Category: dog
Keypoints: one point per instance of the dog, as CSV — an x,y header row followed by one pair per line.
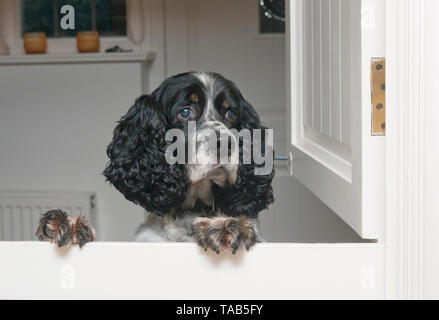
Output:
x,y
214,204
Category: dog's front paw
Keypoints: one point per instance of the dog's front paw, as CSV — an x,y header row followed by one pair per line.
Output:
x,y
81,231
54,227
221,234
57,227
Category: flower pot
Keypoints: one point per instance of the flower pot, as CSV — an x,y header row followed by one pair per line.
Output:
x,y
35,42
87,41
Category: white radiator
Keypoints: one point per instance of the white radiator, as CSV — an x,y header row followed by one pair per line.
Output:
x,y
20,211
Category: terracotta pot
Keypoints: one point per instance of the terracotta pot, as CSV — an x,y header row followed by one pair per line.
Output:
x,y
35,42
87,41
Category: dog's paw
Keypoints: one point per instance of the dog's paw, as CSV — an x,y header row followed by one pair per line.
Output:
x,y
57,227
221,234
81,231
54,227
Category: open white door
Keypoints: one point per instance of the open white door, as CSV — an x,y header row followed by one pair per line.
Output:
x,y
331,48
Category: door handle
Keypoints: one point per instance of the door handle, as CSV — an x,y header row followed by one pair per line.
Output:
x,y
288,158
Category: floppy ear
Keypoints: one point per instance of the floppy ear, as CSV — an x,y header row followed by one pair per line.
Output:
x,y
251,193
137,166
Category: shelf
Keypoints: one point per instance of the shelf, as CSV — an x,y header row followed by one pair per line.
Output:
x,y
67,58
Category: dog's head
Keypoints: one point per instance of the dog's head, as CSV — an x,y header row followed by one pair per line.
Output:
x,y
214,109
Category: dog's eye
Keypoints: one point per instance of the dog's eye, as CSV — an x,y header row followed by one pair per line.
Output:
x,y
185,113
231,115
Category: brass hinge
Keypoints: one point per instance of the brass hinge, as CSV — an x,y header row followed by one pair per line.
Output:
x,y
378,86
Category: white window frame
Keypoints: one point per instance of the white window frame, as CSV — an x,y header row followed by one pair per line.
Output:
x,y
60,44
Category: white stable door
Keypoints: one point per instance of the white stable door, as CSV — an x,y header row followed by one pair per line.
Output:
x,y
332,47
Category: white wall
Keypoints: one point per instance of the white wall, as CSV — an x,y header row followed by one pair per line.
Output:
x,y
299,216
431,155
55,124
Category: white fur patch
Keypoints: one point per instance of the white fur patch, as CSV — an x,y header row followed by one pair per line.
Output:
x,y
207,156
170,230
209,85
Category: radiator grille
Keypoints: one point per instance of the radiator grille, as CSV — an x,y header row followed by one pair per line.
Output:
x,y
20,211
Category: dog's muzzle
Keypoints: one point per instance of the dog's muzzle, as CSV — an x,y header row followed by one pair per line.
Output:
x,y
216,155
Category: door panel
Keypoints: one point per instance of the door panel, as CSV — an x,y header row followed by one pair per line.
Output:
x,y
330,47
326,59
148,271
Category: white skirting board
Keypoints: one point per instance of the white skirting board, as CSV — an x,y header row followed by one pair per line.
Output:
x,y
36,270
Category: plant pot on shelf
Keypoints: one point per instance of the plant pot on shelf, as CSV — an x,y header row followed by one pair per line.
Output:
x,y
87,41
35,42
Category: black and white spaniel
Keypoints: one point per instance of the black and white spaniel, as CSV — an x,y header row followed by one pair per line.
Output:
x,y
216,205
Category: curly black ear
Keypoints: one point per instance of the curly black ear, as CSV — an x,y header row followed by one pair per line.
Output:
x,y
251,193
137,166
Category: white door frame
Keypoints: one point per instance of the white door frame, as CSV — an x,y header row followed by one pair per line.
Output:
x,y
404,159
404,146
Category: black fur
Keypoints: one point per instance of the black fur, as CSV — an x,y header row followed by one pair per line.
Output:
x,y
251,193
137,166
